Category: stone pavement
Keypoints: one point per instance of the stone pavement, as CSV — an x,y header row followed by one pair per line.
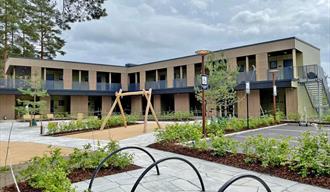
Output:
x,y
174,175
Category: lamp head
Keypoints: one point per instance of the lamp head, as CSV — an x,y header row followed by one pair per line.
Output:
x,y
202,52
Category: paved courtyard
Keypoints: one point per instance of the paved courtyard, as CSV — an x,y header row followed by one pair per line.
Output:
x,y
175,175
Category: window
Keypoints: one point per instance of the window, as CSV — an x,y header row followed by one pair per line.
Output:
x,y
241,63
272,64
60,103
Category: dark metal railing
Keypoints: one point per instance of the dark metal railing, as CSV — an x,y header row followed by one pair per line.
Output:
x,y
162,84
53,84
76,85
285,73
246,76
133,86
108,86
178,83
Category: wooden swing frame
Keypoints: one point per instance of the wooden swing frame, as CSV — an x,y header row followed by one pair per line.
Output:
x,y
119,94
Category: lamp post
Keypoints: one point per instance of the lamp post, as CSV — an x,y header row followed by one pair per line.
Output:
x,y
247,92
204,86
273,72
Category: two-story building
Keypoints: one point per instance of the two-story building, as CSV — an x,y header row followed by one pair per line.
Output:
x,y
89,88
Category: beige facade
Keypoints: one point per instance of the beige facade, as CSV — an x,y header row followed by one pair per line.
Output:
x,y
79,104
101,76
7,106
181,102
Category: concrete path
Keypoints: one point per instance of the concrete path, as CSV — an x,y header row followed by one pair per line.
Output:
x,y
175,175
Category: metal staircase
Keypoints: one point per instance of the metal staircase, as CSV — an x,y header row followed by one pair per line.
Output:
x,y
315,82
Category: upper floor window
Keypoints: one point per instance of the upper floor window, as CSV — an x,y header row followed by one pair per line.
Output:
x,y
241,64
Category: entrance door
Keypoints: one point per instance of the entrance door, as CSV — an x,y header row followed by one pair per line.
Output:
x,y
288,69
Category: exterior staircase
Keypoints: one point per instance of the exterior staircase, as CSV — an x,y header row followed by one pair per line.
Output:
x,y
315,82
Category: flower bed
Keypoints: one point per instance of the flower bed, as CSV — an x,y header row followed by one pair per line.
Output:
x,y
170,116
91,123
55,173
307,162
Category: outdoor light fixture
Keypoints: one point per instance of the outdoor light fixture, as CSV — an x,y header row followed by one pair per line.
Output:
x,y
273,72
204,84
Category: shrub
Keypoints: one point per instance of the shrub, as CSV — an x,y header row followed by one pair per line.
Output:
x,y
52,127
201,144
269,151
236,124
48,173
326,118
179,133
93,122
89,158
217,125
312,155
221,145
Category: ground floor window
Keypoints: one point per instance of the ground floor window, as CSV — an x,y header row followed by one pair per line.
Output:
x,y
266,101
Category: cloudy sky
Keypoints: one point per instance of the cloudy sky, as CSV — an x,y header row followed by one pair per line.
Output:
x,y
140,31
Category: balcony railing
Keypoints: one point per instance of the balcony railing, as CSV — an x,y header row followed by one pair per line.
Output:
x,y
133,86
108,86
76,85
13,83
178,83
50,84
310,72
156,84
285,73
246,76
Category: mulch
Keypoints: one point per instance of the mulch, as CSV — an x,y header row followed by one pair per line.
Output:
x,y
75,176
237,160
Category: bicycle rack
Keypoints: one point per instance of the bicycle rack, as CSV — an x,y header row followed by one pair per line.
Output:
x,y
113,153
238,177
165,159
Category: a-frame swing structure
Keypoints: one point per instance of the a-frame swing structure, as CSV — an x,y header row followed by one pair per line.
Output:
x,y
143,93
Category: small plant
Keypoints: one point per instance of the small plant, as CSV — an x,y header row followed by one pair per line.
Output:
x,y
52,127
48,173
88,158
312,155
221,145
294,116
179,133
201,144
217,125
326,118
269,151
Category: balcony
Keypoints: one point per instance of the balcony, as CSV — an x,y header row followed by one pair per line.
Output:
x,y
133,86
13,83
246,76
178,83
51,84
76,85
108,87
285,73
162,84
310,72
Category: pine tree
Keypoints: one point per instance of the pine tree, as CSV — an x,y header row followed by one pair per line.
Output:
x,y
49,42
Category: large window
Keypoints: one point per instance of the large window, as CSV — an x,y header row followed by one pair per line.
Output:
x,y
241,63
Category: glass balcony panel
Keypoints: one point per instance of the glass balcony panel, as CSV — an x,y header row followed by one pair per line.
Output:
x,y
177,83
133,86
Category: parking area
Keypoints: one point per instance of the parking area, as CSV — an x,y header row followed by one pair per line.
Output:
x,y
287,130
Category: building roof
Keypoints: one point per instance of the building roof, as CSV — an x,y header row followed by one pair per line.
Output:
x,y
182,57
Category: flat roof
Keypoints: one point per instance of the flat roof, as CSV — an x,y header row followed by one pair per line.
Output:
x,y
171,59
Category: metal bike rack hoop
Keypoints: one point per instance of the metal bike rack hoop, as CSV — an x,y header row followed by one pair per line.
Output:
x,y
238,177
165,159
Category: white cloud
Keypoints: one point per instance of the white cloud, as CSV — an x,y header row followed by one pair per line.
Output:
x,y
143,31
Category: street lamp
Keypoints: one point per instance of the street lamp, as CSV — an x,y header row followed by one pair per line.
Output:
x,y
273,72
204,86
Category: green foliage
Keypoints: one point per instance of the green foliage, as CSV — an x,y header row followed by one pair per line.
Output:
x,y
269,151
89,158
89,123
201,144
312,155
236,124
221,145
179,133
279,116
62,115
294,116
48,173
222,82
216,126
35,104
326,118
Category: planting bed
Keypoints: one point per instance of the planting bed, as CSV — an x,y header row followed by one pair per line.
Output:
x,y
65,133
74,176
237,160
